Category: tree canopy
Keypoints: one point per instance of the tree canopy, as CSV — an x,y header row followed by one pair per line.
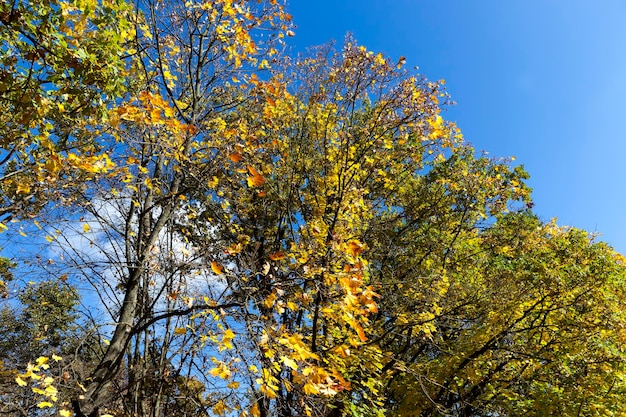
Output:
x,y
223,229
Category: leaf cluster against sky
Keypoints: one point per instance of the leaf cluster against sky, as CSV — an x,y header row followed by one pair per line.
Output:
x,y
540,80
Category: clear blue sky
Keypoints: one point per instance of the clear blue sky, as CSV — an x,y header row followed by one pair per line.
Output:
x,y
541,80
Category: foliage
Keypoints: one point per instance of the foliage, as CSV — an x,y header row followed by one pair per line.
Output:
x,y
272,236
61,63
528,323
38,330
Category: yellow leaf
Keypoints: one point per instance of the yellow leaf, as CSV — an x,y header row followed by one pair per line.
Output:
x,y
343,350
52,165
269,301
181,104
44,404
289,362
42,360
217,269
311,389
65,413
86,227
57,358
219,408
23,188
180,330
233,384
221,370
212,183
169,76
228,335
355,247
20,382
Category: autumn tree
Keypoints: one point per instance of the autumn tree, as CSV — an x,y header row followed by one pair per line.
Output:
x,y
524,320
118,235
278,236
43,324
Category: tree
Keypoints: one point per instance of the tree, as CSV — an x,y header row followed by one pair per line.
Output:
x,y
527,323
180,89
42,326
272,236
328,162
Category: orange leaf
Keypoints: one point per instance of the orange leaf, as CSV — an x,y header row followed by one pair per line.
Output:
x,y
235,157
217,269
278,256
256,180
359,330
355,248
361,333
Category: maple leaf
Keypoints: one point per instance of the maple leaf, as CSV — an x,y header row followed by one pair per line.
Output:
x,y
23,188
217,269
235,157
355,248
255,179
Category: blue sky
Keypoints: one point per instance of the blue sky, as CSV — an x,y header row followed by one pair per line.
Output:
x,y
541,80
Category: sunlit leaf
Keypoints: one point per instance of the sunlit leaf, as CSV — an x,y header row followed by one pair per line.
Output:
x,y
217,269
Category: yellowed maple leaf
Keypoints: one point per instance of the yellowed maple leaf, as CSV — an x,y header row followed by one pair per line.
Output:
x,y
355,248
23,188
220,408
255,179
217,269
